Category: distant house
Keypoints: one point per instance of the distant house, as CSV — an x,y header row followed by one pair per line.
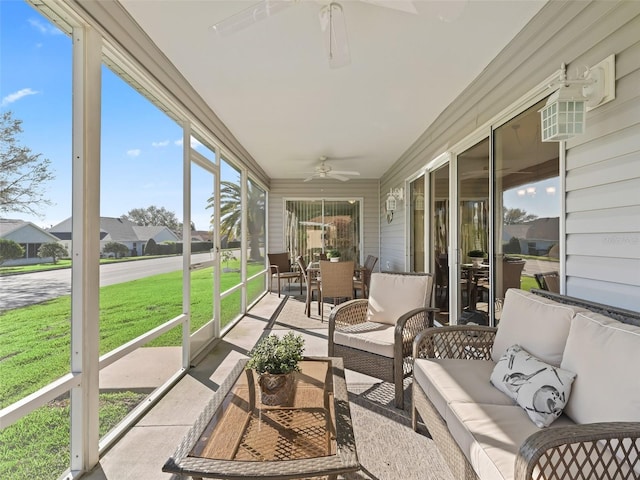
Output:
x,y
121,231
29,236
536,237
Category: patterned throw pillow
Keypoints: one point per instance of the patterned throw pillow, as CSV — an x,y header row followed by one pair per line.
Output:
x,y
542,390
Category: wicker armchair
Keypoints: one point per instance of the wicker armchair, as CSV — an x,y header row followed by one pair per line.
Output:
x,y
375,335
281,270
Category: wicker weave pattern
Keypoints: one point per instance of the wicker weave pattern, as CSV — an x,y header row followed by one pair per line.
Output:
x,y
610,450
463,342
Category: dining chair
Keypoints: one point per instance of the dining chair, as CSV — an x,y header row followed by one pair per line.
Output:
x,y
313,285
280,266
336,282
361,282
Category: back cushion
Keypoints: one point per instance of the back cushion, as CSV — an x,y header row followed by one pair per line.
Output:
x,y
392,295
605,354
539,325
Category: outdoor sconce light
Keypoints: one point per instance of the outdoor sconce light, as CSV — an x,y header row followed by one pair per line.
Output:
x,y
391,204
419,204
564,114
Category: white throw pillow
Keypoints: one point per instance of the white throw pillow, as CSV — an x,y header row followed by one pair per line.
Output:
x,y
392,295
542,390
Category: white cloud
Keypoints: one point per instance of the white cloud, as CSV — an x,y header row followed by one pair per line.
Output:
x,y
14,97
44,28
134,152
164,143
194,143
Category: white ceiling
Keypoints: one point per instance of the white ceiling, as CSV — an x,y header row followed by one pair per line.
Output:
x,y
271,84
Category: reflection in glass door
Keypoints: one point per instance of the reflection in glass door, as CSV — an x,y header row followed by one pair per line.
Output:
x,y
473,233
527,205
417,229
439,208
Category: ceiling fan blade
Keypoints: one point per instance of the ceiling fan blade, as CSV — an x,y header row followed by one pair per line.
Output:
x,y
334,35
249,16
344,172
308,179
406,6
338,177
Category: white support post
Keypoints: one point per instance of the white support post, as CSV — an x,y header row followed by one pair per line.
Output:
x,y
244,222
186,243
85,273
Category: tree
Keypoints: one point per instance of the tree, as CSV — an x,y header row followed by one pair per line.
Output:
x,y
118,249
54,250
151,248
22,173
231,214
9,250
153,216
514,216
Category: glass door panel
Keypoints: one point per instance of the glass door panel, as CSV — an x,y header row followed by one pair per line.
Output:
x,y
417,230
439,206
473,233
527,204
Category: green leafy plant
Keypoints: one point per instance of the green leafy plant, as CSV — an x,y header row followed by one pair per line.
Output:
x,y
333,254
277,355
476,254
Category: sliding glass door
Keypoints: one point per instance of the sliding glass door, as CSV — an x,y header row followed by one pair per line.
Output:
x,y
316,226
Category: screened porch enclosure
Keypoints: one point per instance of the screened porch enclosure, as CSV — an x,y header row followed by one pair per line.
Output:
x,y
313,227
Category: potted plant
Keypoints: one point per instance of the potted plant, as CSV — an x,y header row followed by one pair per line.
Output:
x,y
476,256
333,255
275,360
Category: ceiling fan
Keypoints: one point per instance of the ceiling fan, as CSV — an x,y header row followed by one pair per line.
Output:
x,y
332,23
326,171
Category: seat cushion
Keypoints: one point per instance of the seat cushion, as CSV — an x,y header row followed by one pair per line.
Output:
x,y
491,435
451,380
539,325
392,295
605,355
368,336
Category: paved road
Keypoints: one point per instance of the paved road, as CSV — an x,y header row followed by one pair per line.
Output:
x,y
29,288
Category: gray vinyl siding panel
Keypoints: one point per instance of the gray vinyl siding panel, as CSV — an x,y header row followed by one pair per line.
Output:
x,y
367,190
602,187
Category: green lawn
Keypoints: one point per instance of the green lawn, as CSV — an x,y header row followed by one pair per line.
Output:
x,y
35,350
66,263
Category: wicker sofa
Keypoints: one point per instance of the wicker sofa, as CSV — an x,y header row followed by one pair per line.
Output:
x,y
484,434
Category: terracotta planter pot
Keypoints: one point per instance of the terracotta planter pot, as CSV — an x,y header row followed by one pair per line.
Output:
x,y
276,389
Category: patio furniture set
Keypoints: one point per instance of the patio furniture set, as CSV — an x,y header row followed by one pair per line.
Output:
x,y
486,395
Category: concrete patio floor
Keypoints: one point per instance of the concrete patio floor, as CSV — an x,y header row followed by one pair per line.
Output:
x,y
143,449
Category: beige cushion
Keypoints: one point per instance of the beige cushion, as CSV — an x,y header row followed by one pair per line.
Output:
x,y
539,325
447,380
605,354
392,295
369,336
490,436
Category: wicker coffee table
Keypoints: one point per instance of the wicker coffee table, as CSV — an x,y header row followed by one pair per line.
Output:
x,y
238,437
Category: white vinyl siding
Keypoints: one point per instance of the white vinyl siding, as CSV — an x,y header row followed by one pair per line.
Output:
x,y
602,210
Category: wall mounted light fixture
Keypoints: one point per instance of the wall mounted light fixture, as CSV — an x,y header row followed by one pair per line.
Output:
x,y
564,114
391,203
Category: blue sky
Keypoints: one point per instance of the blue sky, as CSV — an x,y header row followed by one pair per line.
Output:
x,y
141,147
